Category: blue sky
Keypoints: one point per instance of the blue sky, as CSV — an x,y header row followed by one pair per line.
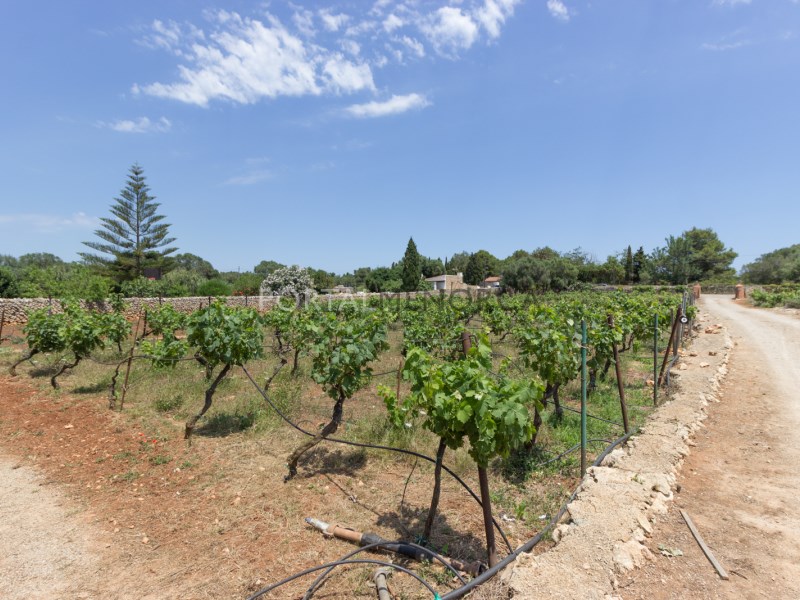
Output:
x,y
325,134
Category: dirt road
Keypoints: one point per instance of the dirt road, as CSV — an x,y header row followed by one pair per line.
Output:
x,y
740,483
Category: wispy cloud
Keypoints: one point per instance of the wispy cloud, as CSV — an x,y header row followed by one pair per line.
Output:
x,y
47,223
393,106
251,178
318,52
140,125
731,41
729,2
558,10
724,46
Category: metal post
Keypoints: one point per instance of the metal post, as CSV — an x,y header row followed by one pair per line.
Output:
x,y
2,322
584,340
655,360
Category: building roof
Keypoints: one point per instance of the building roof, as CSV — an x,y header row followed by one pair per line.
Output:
x,y
493,279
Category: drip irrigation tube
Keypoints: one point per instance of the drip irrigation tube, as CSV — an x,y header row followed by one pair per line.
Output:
x,y
378,447
382,545
529,545
358,561
569,408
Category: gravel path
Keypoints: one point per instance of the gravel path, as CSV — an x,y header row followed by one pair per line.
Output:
x,y
44,544
740,483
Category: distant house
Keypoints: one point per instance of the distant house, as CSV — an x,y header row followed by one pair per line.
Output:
x,y
448,282
339,289
491,282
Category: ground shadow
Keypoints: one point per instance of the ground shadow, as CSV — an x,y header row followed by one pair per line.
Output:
x,y
225,423
409,523
95,388
43,370
521,463
333,461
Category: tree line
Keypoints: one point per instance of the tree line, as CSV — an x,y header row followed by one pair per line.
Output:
x,y
134,255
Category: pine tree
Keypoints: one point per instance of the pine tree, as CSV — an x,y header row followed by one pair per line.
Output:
x,y
412,267
628,265
639,260
135,236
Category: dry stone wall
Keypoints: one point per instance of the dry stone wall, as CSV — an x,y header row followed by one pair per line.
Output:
x,y
16,310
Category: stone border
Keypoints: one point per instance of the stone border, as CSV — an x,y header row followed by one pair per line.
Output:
x,y
16,309
603,531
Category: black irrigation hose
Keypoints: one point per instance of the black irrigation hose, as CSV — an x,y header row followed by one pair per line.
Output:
x,y
337,563
528,546
576,411
312,588
378,447
565,453
136,357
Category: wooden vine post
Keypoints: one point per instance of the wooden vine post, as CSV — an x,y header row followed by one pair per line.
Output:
x,y
672,340
620,384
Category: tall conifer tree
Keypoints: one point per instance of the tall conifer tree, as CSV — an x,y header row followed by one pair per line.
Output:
x,y
412,267
135,237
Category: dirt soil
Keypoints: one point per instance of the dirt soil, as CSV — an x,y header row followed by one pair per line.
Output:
x,y
740,482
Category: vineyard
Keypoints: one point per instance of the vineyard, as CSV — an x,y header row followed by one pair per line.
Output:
x,y
453,429
776,295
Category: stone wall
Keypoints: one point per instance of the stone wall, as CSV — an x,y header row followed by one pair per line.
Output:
x,y
15,310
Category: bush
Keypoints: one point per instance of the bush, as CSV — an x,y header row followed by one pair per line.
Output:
x,y
214,287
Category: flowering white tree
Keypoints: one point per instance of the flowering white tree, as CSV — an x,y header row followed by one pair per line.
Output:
x,y
294,282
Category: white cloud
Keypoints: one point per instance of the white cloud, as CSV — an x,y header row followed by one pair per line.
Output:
x,y
730,41
414,45
304,21
333,22
729,2
558,10
393,106
140,125
723,46
343,76
45,223
170,36
251,178
494,13
244,60
247,60
392,22
351,46
450,30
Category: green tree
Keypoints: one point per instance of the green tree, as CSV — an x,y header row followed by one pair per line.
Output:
x,y
192,262
40,260
541,274
384,279
431,267
696,255
628,265
480,265
412,268
778,266
267,267
135,237
214,287
639,265
9,287
458,263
